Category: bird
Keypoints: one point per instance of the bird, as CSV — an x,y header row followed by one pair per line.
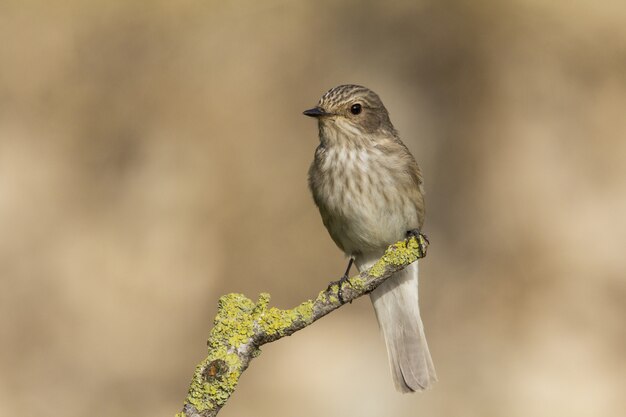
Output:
x,y
369,190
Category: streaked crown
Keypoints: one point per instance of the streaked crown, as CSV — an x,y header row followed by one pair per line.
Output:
x,y
352,108
338,97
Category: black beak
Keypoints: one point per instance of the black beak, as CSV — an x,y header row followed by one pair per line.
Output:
x,y
315,112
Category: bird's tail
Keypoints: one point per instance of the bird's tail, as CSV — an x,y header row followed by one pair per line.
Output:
x,y
396,305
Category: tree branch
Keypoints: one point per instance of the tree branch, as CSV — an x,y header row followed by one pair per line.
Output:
x,y
242,326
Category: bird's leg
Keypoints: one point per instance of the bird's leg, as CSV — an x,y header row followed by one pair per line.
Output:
x,y
347,273
345,278
416,234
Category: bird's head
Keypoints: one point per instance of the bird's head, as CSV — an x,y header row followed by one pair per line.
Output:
x,y
353,111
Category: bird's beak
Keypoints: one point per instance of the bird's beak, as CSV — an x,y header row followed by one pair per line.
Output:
x,y
315,112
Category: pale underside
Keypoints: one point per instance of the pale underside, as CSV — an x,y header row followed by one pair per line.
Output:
x,y
368,196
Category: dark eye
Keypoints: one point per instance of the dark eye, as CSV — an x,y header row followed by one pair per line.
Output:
x,y
355,109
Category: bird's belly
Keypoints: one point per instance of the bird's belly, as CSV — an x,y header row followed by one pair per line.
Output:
x,y
367,199
365,220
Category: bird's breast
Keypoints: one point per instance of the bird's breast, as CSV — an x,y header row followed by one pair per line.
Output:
x,y
363,196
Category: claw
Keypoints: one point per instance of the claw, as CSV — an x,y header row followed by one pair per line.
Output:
x,y
417,234
342,280
340,283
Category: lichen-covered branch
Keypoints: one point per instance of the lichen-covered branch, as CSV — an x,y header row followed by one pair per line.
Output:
x,y
242,326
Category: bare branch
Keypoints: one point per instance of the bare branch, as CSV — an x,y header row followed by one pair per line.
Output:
x,y
242,326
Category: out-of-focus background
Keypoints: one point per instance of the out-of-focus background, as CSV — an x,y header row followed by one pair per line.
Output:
x,y
153,156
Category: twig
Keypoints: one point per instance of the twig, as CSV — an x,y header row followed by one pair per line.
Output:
x,y
242,326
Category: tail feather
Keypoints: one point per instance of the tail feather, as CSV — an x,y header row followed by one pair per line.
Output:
x,y
396,304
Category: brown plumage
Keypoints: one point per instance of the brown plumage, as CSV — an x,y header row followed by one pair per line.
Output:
x,y
369,191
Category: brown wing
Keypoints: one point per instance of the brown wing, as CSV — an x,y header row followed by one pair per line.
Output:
x,y
413,184
418,198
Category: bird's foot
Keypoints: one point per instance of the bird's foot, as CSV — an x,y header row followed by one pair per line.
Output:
x,y
339,284
421,238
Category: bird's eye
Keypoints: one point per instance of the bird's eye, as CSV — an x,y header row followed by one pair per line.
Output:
x,y
355,109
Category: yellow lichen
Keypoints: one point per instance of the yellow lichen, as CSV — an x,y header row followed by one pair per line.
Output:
x,y
238,318
233,326
400,253
357,283
276,321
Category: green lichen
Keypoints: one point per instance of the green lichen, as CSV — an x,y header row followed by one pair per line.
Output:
x,y
264,300
305,311
276,321
233,326
357,283
216,377
238,318
233,322
332,298
329,295
209,391
398,254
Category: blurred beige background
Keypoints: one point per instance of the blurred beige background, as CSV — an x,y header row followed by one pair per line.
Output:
x,y
153,156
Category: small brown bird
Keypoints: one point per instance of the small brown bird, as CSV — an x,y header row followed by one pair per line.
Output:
x,y
370,194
